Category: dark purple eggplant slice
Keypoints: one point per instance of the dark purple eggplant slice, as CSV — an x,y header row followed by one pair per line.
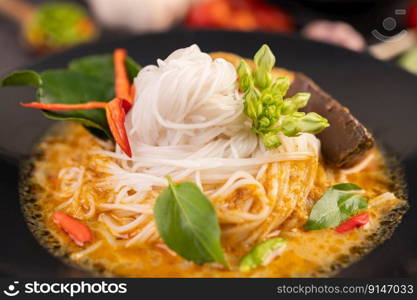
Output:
x,y
346,142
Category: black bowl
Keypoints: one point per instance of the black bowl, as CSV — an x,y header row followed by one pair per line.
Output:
x,y
381,95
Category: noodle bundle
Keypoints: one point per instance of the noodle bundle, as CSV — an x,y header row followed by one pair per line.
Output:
x,y
188,122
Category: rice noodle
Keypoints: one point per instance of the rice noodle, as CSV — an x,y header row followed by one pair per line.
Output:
x,y
71,180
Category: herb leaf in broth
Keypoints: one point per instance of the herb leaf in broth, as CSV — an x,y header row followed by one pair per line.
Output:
x,y
347,187
187,222
262,254
339,203
89,78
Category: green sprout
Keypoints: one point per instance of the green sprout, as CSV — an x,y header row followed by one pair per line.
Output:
x,y
262,254
265,102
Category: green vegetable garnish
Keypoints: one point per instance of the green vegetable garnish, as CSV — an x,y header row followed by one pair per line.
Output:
x,y
59,25
262,254
409,60
266,105
187,222
90,78
102,66
337,205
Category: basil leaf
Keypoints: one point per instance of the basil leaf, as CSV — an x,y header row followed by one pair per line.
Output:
x,y
132,68
187,222
347,187
350,204
71,87
336,206
24,77
262,254
93,127
102,66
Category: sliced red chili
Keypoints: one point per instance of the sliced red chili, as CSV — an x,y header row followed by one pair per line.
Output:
x,y
133,92
77,231
59,106
121,78
116,114
352,223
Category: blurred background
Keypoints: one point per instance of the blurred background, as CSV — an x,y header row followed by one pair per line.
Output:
x,y
30,29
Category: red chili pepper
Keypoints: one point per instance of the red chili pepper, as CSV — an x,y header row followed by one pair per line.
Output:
x,y
116,114
133,92
352,223
117,108
121,78
59,106
77,231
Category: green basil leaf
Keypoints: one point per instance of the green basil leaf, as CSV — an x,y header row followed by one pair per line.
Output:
x,y
350,204
347,187
24,77
132,68
337,205
261,254
72,87
102,66
96,129
187,222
